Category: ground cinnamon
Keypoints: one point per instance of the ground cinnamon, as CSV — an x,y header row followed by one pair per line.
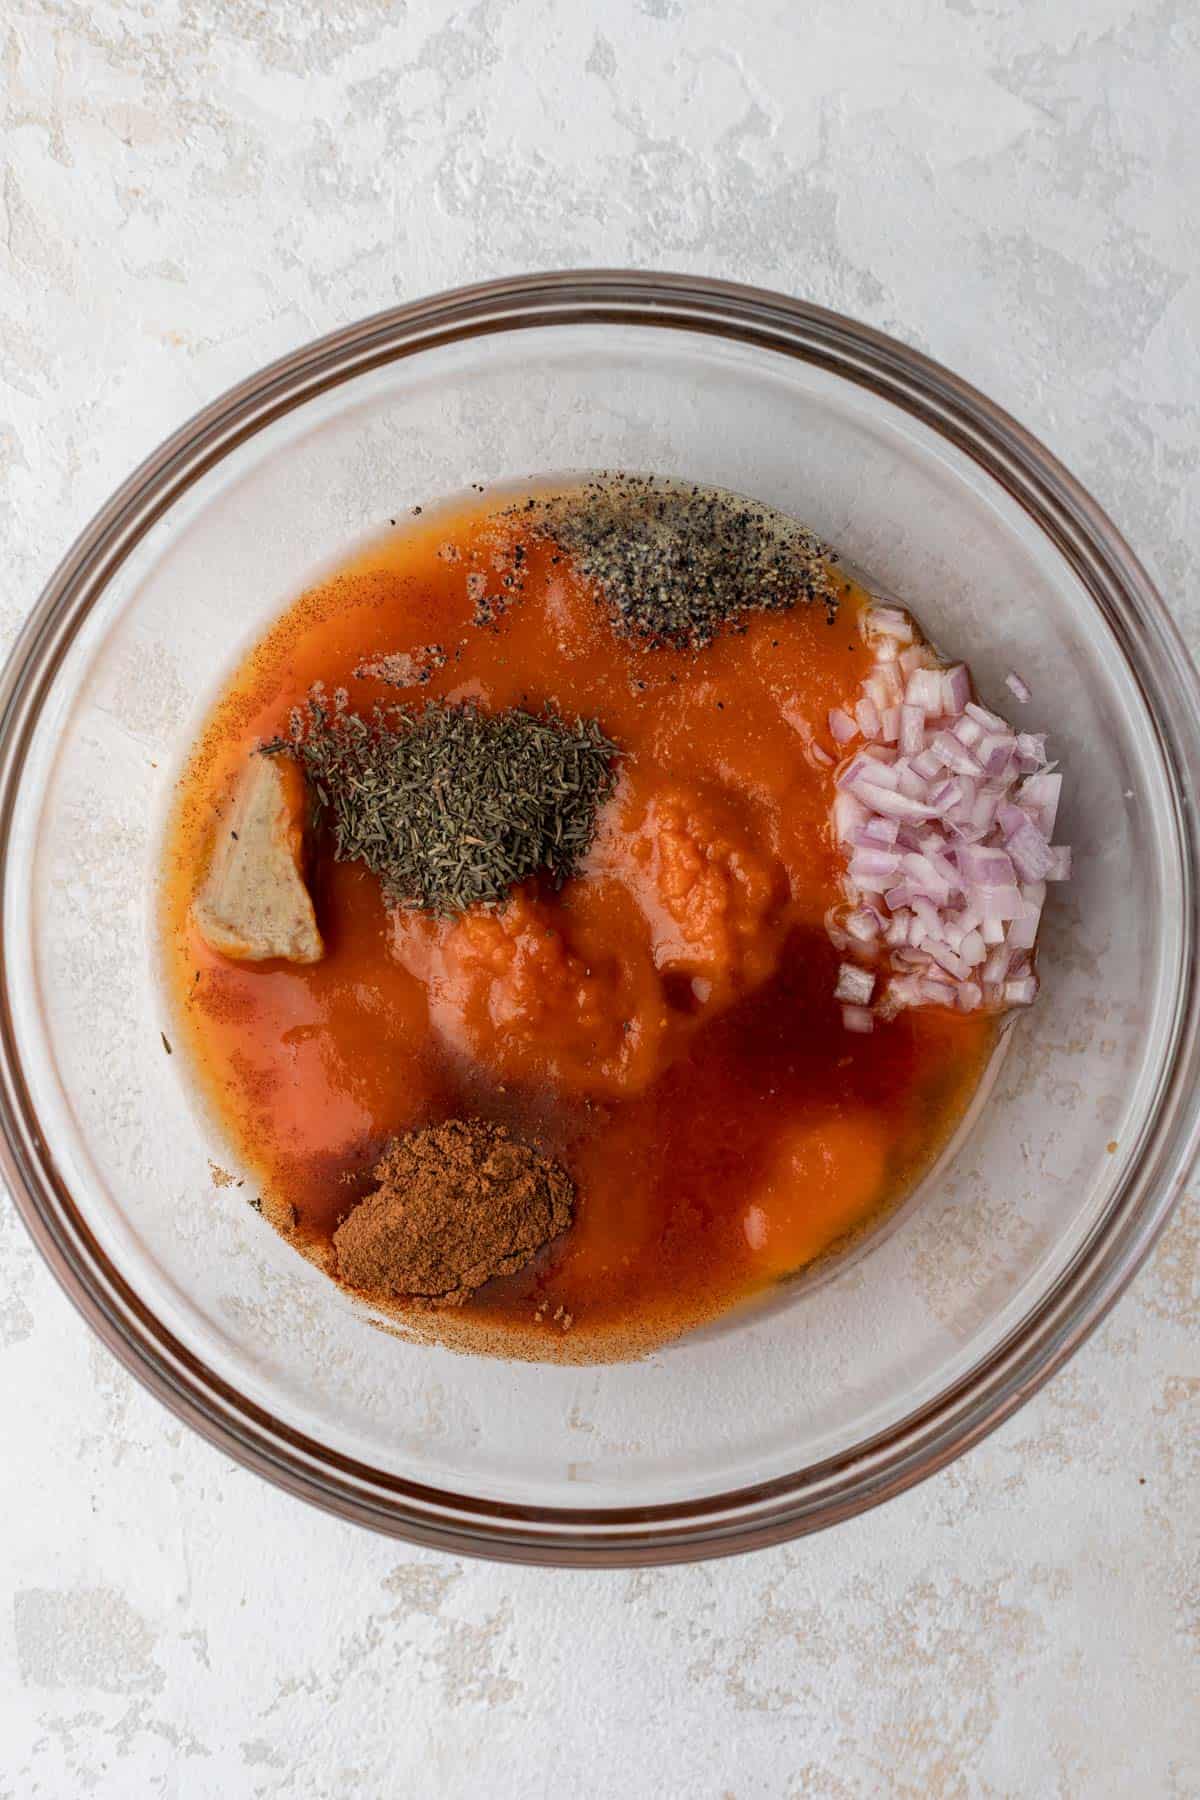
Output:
x,y
456,1204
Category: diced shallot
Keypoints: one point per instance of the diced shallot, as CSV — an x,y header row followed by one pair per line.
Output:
x,y
874,862
849,815
1022,933
989,720
996,966
955,755
862,925
893,805
877,834
1041,794
912,730
863,768
943,955
884,686
956,687
924,690
945,817
1029,851
995,751
867,714
928,765
854,984
890,621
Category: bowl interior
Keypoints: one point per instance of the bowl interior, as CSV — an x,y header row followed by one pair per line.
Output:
x,y
780,1391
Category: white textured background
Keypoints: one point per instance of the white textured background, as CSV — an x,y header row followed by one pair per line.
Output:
x,y
190,187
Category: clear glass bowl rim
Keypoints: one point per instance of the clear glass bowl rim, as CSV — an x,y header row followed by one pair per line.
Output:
x,y
813,1497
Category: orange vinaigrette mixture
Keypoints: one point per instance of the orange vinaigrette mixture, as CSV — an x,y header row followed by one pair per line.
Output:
x,y
664,1025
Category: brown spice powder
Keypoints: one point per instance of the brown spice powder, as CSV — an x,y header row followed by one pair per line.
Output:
x,y
457,1204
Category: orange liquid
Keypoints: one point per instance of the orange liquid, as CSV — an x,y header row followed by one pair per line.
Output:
x,y
665,1025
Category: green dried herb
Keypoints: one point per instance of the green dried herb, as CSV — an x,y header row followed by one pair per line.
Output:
x,y
449,806
677,563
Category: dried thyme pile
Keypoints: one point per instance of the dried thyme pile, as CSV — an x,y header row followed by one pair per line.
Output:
x,y
449,806
677,564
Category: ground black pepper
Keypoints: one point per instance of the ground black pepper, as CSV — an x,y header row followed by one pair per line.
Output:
x,y
677,564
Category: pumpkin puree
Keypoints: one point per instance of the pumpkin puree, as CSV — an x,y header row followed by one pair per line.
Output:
x,y
664,1025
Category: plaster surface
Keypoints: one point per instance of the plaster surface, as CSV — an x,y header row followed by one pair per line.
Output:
x,y
190,188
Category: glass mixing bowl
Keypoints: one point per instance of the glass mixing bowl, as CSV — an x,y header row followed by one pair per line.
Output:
x,y
795,1416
